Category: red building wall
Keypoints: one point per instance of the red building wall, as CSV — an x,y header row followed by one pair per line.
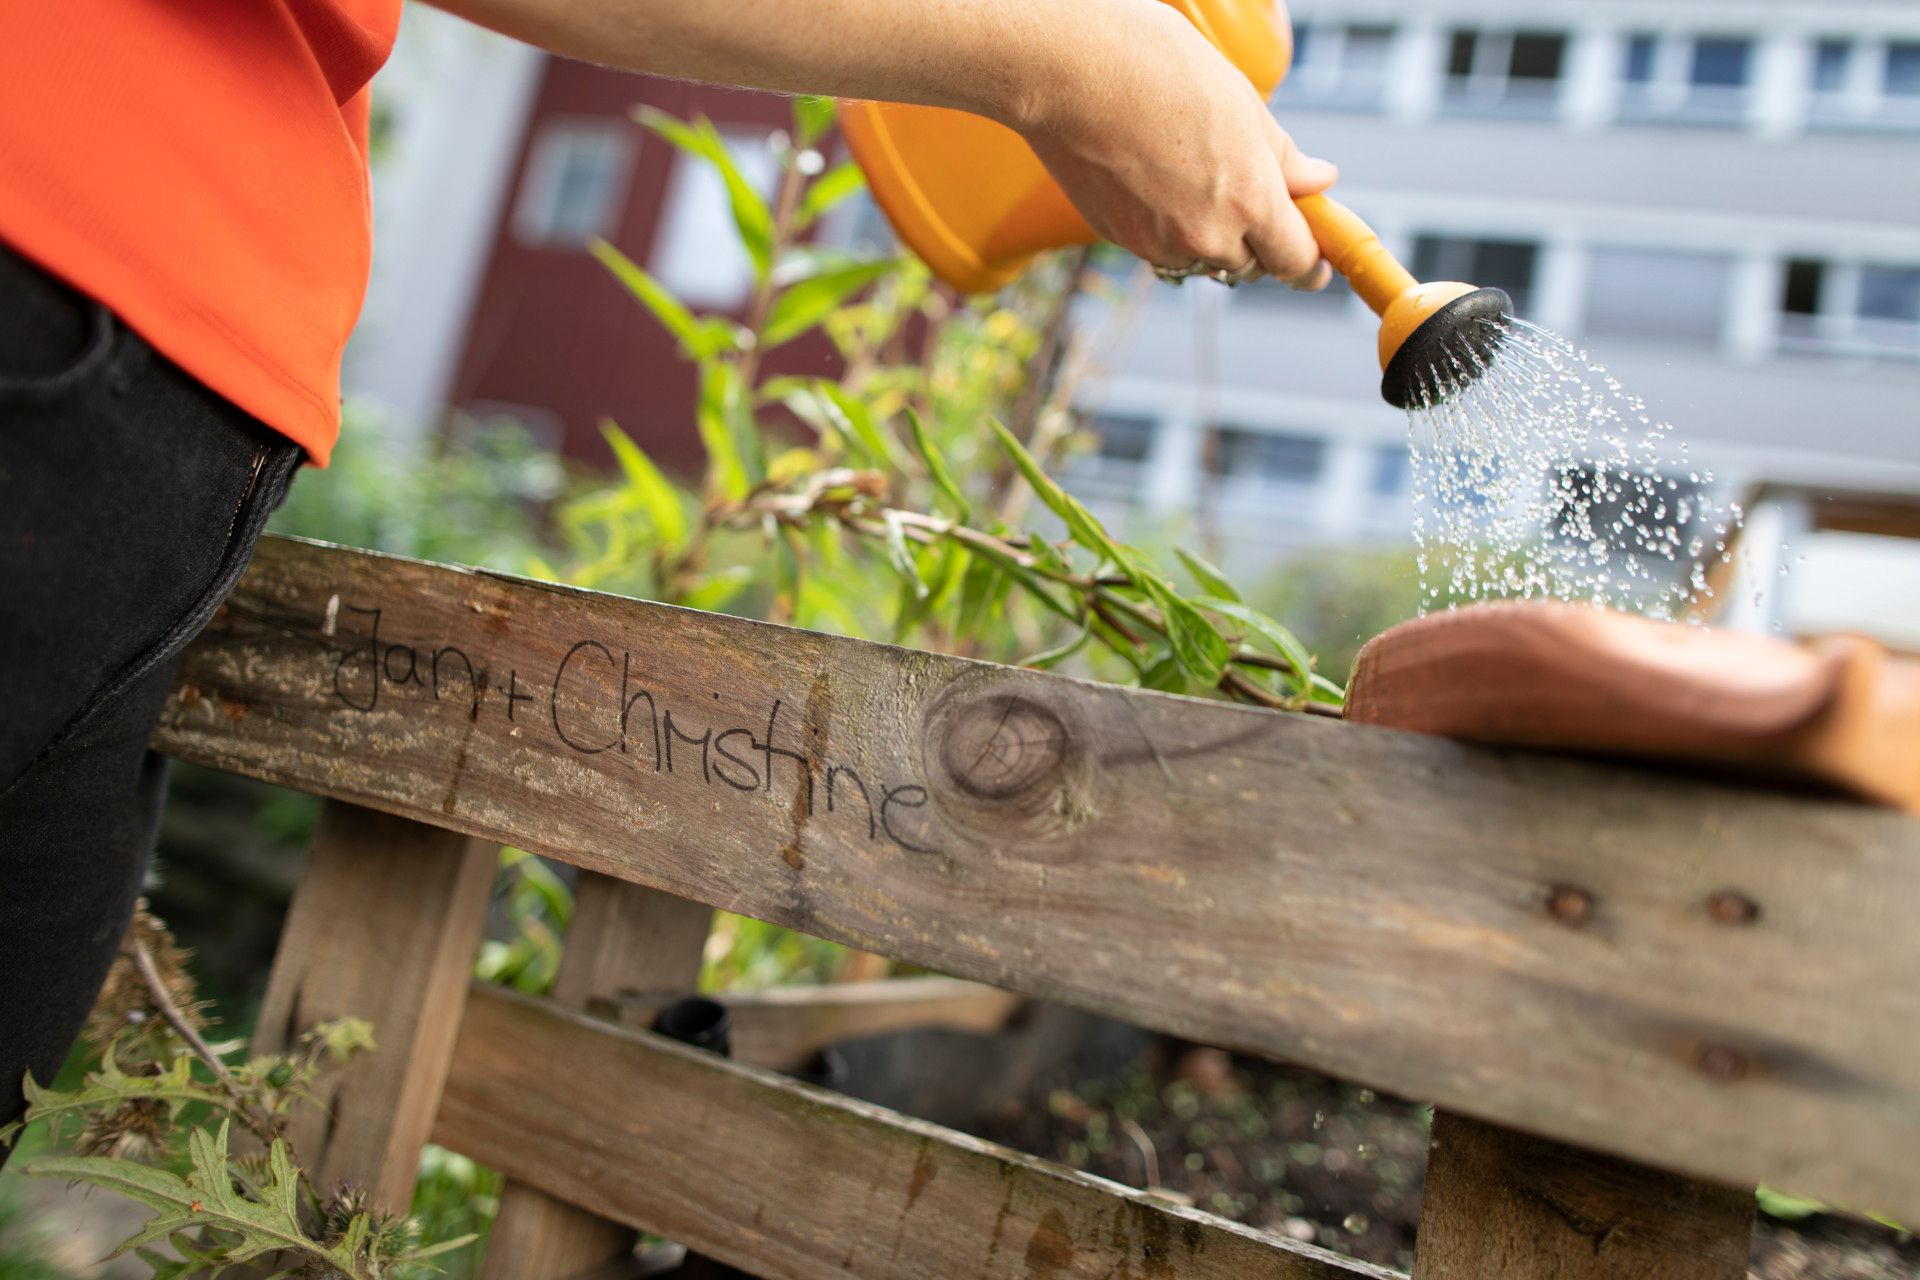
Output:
x,y
552,331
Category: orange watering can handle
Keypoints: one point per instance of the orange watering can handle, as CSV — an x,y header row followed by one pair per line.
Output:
x,y
1355,251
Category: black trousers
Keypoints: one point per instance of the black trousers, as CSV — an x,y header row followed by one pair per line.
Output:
x,y
130,501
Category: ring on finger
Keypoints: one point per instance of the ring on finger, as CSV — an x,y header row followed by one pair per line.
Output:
x,y
1243,275
1174,275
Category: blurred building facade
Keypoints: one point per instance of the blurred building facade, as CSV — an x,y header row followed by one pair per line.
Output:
x,y
1720,199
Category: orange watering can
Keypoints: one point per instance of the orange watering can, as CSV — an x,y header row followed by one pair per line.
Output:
x,y
973,200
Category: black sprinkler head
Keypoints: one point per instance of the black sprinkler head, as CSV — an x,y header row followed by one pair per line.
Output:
x,y
1461,335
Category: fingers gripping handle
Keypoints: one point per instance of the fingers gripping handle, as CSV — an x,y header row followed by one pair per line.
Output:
x,y
1355,252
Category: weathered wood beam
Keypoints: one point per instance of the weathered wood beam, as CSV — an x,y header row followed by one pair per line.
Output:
x,y
1715,980
1500,1205
783,1179
621,935
384,926
781,1029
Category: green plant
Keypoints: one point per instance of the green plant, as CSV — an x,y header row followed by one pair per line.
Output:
x,y
899,510
153,1117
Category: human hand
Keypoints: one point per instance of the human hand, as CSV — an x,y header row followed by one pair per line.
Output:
x,y
1167,150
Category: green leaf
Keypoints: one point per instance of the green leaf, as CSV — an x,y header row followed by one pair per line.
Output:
x,y
1086,530
1048,658
718,589
1321,689
657,495
654,296
853,418
206,1198
1786,1207
812,116
1164,675
1284,642
937,467
982,589
1196,643
901,555
828,190
109,1087
732,444
751,217
804,304
1211,580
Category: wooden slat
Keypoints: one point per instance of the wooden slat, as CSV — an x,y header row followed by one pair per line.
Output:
x,y
782,1179
1716,980
621,936
781,1029
384,926
1500,1205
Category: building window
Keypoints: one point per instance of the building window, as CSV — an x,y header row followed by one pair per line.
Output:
x,y
1864,82
1856,309
1124,437
1721,63
1691,289
1117,465
1890,294
1832,65
696,252
1504,71
574,185
1689,79
1903,70
1493,264
1640,55
1267,459
1392,463
1344,66
1802,293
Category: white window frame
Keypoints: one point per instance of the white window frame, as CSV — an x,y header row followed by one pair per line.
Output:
x,y
1863,101
1670,96
1838,328
1489,86
533,210
1325,80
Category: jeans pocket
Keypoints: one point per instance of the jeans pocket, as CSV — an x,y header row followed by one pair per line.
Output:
x,y
53,338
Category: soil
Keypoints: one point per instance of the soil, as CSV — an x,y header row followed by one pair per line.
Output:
x,y
1319,1161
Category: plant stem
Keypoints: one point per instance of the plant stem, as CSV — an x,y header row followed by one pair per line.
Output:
x,y
244,1107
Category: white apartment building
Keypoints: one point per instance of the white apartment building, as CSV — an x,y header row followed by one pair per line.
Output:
x,y
1720,199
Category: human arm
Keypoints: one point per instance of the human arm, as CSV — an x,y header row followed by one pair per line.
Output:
x,y
1156,137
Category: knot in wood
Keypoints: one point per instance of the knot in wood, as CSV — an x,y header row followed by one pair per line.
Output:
x,y
1004,746
1719,1061
1730,907
1570,904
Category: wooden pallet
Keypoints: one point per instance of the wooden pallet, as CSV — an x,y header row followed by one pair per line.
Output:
x,y
1538,945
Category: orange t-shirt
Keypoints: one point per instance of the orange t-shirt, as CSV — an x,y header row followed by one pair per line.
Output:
x,y
200,166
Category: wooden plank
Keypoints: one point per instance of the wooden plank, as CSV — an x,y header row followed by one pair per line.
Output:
x,y
1714,980
781,1029
783,1179
1500,1205
621,936
384,926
